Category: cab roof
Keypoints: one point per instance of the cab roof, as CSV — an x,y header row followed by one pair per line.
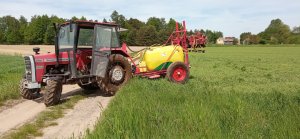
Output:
x,y
90,24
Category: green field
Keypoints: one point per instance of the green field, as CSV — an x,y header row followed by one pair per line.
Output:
x,y
233,92
11,70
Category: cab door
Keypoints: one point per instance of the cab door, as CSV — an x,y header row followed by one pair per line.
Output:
x,y
101,50
67,43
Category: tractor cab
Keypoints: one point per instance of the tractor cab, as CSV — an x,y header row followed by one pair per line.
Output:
x,y
88,46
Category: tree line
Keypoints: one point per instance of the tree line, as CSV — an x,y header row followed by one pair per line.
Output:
x,y
40,29
276,33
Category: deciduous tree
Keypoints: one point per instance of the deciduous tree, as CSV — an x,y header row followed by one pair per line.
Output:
x,y
36,30
276,32
147,35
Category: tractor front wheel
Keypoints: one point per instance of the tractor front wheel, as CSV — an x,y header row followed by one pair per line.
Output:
x,y
118,73
28,93
178,72
53,92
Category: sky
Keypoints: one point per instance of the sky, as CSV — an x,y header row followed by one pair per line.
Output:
x,y
232,17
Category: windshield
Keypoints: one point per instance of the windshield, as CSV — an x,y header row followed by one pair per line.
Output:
x,y
106,37
114,40
66,38
103,37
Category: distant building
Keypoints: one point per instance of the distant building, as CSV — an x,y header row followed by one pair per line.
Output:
x,y
229,40
220,41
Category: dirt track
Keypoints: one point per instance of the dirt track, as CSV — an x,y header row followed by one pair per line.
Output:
x,y
27,110
76,121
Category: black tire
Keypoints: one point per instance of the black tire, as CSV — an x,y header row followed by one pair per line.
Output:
x,y
53,91
182,70
28,93
91,86
106,85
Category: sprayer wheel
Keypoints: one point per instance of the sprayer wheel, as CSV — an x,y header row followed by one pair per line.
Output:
x,y
178,72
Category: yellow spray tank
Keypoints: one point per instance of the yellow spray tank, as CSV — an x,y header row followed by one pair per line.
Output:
x,y
155,58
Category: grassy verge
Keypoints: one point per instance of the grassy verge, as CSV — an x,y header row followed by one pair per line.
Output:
x,y
249,92
44,119
11,70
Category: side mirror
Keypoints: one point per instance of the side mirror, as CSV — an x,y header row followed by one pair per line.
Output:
x,y
36,50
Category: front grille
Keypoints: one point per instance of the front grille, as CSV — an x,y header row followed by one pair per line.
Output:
x,y
28,71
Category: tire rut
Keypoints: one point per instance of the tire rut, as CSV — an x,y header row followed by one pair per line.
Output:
x,y
26,111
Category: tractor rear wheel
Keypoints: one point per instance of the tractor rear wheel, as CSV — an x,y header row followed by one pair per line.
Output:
x,y
53,92
118,73
178,72
28,93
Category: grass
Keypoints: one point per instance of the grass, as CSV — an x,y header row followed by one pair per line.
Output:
x,y
11,70
233,92
44,119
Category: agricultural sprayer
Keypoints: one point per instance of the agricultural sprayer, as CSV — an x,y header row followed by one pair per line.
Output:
x,y
89,54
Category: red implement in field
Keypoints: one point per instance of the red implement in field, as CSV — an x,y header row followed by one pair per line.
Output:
x,y
197,42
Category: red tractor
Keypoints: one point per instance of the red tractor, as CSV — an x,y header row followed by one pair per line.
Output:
x,y
197,42
89,54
